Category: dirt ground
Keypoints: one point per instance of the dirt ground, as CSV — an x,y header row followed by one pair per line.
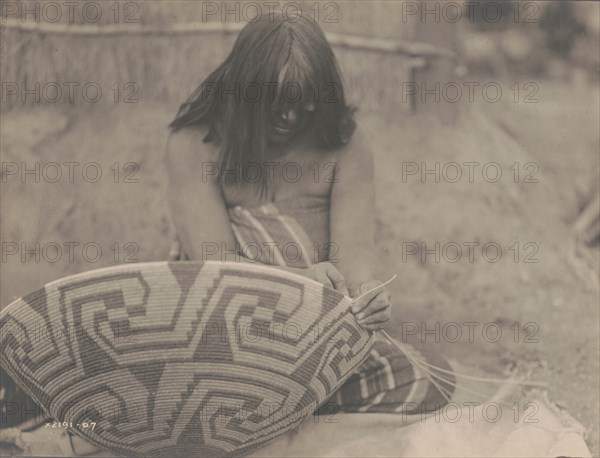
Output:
x,y
554,301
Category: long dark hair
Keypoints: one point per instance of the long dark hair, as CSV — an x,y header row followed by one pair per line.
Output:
x,y
284,59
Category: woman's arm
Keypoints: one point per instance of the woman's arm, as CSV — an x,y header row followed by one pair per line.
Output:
x,y
352,215
195,201
199,213
352,227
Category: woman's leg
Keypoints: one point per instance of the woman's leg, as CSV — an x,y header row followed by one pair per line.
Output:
x,y
389,382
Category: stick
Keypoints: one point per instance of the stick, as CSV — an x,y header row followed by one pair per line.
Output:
x,y
192,28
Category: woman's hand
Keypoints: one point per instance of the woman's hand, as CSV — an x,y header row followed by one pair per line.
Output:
x,y
326,273
373,310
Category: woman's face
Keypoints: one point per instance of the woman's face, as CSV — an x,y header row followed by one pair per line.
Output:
x,y
289,121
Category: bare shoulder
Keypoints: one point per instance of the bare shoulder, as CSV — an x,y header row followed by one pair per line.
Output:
x,y
186,150
356,155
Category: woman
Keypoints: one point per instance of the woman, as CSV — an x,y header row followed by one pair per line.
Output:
x,y
265,161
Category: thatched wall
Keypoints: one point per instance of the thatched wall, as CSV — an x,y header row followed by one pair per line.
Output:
x,y
166,67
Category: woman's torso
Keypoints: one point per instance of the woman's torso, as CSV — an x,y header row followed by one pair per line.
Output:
x,y
288,222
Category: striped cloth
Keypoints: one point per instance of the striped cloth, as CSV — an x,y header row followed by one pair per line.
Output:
x,y
298,236
292,233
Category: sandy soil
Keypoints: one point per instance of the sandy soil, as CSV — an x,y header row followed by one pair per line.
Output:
x,y
553,301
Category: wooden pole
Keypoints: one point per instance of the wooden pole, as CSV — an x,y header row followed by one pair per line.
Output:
x,y
191,28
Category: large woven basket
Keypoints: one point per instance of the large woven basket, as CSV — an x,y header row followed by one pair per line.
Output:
x,y
181,359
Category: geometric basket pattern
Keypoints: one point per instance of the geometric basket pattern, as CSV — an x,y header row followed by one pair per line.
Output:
x,y
183,358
